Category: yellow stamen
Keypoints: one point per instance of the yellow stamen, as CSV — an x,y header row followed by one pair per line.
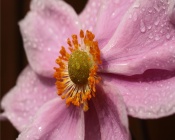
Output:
x,y
77,72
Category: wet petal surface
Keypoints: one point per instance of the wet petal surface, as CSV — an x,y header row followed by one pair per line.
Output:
x,y
56,121
45,29
149,95
145,39
29,94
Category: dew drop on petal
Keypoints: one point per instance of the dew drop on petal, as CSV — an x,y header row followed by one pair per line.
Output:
x,y
135,16
142,26
157,37
150,10
168,36
149,27
40,128
150,36
156,21
136,5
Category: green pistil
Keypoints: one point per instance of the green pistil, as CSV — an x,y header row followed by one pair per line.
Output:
x,y
79,67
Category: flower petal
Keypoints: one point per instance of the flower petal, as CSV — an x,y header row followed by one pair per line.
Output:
x,y
150,95
111,13
45,29
89,15
56,121
29,94
111,113
173,16
92,126
145,39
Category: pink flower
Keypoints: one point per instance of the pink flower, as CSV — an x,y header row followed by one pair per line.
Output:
x,y
137,44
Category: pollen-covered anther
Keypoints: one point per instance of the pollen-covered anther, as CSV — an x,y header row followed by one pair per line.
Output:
x,y
77,72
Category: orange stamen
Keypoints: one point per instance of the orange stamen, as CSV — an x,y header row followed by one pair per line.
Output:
x,y
73,93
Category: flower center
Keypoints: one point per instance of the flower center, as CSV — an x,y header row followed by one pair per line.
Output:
x,y
77,72
79,67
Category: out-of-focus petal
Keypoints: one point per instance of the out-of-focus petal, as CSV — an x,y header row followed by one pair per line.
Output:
x,y
145,39
92,126
111,113
173,16
56,121
150,95
45,29
29,94
3,117
111,14
89,15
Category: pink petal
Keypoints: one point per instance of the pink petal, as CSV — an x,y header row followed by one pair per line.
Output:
x,y
111,113
45,29
173,16
150,95
56,121
29,94
111,14
89,15
145,39
92,126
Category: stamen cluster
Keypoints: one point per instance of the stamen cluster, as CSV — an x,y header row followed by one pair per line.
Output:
x,y
77,72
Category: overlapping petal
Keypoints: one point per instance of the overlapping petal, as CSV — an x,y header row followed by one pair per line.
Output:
x,y
173,16
111,113
149,95
92,125
56,121
45,29
29,94
145,39
89,15
111,14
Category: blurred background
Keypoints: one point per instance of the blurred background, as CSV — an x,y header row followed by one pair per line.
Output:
x,y
13,60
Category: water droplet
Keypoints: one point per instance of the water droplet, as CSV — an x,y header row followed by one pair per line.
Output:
x,y
40,128
156,21
150,36
135,16
161,31
168,36
149,27
150,10
136,5
157,37
113,15
143,9
156,8
146,88
164,7
142,26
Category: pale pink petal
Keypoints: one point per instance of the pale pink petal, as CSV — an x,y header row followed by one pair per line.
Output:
x,y
56,121
29,94
111,14
150,95
89,15
92,126
145,39
111,113
173,16
45,29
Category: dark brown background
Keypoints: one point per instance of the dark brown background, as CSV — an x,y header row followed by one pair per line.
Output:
x,y
13,60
